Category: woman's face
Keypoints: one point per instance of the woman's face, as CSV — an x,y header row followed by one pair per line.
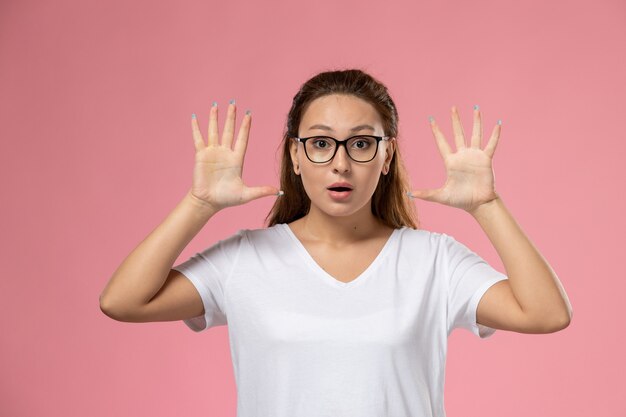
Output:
x,y
336,115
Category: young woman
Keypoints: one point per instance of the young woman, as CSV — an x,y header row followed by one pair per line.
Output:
x,y
341,306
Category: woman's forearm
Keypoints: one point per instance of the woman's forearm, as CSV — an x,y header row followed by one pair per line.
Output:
x,y
537,288
144,271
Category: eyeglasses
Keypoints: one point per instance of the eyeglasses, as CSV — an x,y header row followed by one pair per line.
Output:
x,y
321,149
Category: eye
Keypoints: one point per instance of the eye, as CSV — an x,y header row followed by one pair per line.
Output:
x,y
321,143
362,142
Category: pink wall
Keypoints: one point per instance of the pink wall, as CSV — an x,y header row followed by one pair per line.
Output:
x,y
95,101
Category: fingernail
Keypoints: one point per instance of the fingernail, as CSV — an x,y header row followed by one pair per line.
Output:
x,y
214,103
232,101
281,192
475,106
193,115
430,119
248,112
499,121
409,194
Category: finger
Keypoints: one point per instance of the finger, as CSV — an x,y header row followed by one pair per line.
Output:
x,y
441,141
477,132
195,132
229,126
244,131
252,193
459,137
213,133
490,149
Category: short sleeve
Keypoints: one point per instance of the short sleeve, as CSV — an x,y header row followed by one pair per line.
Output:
x,y
469,277
209,272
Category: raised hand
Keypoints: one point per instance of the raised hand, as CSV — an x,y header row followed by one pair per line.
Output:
x,y
218,166
470,179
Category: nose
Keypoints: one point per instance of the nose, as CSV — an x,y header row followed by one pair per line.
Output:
x,y
341,161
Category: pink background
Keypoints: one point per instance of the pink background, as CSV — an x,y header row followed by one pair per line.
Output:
x,y
95,106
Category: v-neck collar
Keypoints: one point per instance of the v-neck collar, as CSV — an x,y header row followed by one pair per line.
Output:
x,y
306,256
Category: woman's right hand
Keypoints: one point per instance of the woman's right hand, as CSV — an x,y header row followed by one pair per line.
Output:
x,y
217,172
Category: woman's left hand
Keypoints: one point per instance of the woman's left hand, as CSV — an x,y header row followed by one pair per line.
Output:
x,y
471,181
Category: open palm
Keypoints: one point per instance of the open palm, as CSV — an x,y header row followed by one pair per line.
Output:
x,y
470,179
218,166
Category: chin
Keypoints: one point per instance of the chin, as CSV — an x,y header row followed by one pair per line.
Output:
x,y
342,210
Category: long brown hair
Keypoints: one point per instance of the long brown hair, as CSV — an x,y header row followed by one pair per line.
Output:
x,y
390,202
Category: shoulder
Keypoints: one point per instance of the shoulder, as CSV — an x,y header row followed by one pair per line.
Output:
x,y
234,241
263,237
263,232
243,241
418,245
407,235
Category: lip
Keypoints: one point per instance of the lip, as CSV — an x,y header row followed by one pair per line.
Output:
x,y
340,184
340,195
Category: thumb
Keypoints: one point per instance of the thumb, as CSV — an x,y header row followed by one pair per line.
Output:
x,y
252,193
429,195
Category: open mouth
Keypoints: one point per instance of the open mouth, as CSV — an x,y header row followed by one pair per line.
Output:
x,y
340,192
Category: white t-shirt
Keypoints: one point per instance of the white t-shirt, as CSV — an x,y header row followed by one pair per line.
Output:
x,y
304,344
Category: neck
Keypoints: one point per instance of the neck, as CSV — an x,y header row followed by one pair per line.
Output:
x,y
320,226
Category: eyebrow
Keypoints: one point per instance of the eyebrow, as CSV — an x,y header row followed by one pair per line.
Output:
x,y
354,129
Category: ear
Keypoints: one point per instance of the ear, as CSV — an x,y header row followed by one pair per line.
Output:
x,y
293,152
389,151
